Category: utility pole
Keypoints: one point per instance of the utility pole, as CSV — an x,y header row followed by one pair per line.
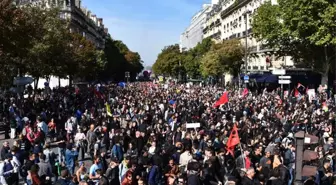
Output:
x,y
246,37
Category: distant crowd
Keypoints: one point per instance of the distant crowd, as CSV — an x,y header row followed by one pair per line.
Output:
x,y
153,134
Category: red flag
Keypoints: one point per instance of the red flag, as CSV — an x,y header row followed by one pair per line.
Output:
x,y
300,85
296,93
245,92
233,140
77,91
222,100
98,94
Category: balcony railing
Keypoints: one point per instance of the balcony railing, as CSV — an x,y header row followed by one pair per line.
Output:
x,y
235,5
264,47
253,49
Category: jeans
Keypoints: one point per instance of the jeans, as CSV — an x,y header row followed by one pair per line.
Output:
x,y
291,170
29,182
61,154
12,134
71,169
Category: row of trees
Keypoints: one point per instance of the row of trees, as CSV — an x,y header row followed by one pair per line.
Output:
x,y
305,30
36,41
206,59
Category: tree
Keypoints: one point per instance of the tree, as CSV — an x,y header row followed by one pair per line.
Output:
x,y
120,59
17,32
211,64
232,53
84,57
50,51
193,57
169,61
223,57
302,29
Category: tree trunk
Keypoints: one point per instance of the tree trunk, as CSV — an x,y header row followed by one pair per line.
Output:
x,y
70,80
36,82
326,66
324,79
59,82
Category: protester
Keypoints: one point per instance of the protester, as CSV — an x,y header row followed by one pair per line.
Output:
x,y
147,133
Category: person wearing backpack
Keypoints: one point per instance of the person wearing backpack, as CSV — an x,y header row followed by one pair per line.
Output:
x,y
10,170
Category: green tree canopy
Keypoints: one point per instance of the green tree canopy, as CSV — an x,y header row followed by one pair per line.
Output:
x,y
120,59
35,41
302,29
211,64
192,58
169,61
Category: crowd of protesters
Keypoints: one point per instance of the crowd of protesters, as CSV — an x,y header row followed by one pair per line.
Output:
x,y
154,134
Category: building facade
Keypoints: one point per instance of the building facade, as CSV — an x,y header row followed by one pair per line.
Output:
x,y
82,20
232,19
194,33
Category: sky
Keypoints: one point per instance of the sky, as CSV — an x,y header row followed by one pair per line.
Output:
x,y
145,26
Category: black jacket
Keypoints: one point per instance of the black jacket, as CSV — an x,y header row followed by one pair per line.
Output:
x,y
193,180
247,181
113,175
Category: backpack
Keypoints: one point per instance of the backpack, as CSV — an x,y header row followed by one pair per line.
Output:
x,y
23,171
6,168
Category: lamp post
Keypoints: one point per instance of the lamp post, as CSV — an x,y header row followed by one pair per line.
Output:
x,y
247,12
299,136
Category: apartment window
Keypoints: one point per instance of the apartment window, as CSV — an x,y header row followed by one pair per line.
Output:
x,y
238,34
262,67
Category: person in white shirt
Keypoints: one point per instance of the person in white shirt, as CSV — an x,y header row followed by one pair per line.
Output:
x,y
41,124
185,157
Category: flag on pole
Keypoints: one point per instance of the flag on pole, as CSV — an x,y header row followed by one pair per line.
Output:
x,y
296,93
300,85
245,92
325,107
233,140
108,110
222,100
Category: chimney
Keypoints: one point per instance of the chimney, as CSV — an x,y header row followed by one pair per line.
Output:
x,y
94,18
99,22
78,3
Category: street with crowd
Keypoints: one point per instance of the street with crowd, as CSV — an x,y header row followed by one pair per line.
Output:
x,y
156,134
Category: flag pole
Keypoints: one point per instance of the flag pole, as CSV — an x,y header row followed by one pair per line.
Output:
x,y
241,149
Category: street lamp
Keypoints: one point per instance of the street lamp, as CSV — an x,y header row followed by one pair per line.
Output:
x,y
247,12
299,136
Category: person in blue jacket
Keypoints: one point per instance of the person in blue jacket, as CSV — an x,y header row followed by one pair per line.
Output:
x,y
70,157
116,151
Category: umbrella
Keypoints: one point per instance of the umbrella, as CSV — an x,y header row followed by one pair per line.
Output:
x,y
23,80
308,171
171,102
309,155
122,84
